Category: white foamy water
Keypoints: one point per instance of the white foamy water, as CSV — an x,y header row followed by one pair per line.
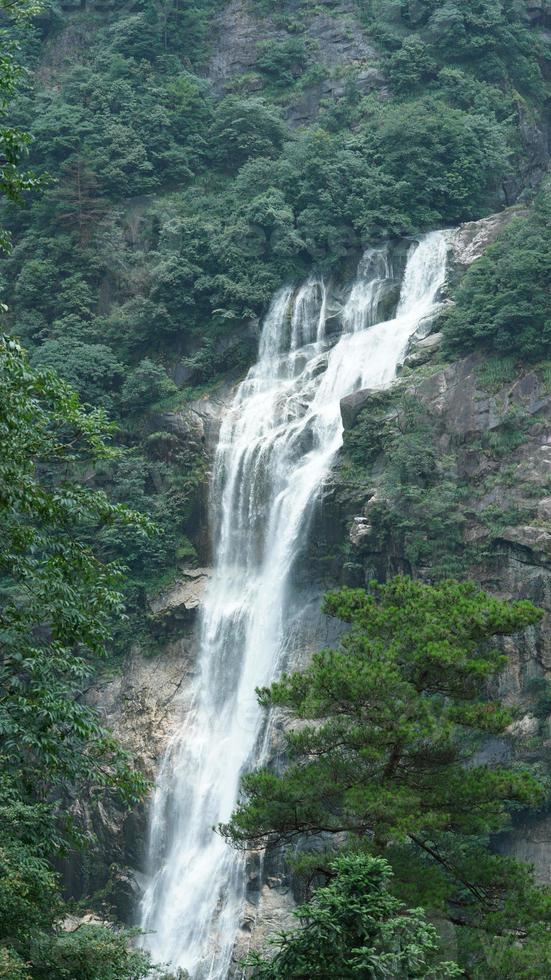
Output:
x,y
277,444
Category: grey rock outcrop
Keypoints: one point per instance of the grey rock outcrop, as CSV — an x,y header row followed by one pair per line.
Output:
x,y
179,604
353,404
142,704
531,844
268,911
422,351
471,240
209,412
457,396
198,424
341,48
360,531
236,36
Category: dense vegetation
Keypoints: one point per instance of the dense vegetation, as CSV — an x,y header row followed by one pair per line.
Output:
x,y
387,761
59,603
60,598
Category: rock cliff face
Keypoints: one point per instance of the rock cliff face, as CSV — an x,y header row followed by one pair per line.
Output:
x,y
143,706
339,47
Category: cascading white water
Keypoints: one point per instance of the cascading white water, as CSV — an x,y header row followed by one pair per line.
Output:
x,y
276,447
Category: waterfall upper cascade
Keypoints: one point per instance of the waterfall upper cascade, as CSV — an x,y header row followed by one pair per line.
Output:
x,y
276,446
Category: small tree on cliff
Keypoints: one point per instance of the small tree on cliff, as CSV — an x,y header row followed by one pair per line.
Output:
x,y
355,928
389,761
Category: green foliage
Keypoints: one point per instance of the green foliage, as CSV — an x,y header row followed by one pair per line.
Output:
x,y
411,65
490,37
58,599
503,303
91,369
174,215
441,162
283,61
213,359
354,927
33,945
115,129
263,203
495,372
29,898
385,756
422,494
514,960
89,953
366,438
14,142
244,128
146,385
160,482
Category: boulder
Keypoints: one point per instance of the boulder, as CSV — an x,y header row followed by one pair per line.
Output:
x,y
432,342
422,350
525,727
352,405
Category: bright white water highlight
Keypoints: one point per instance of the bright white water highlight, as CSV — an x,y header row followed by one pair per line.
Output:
x,y
276,447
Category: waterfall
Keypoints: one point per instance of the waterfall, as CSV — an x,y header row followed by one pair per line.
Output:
x,y
276,447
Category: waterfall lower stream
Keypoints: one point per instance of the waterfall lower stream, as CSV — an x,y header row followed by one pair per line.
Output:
x,y
277,444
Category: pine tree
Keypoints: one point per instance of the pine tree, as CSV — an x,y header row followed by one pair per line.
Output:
x,y
386,755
